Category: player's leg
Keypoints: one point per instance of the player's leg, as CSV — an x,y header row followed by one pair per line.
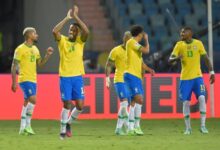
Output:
x,y
66,96
185,92
28,91
30,107
136,92
137,113
122,112
78,96
199,89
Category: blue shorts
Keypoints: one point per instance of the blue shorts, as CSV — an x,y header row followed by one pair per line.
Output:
x,y
188,86
122,91
28,88
134,85
72,88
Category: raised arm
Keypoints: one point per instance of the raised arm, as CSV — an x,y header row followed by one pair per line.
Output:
x,y
145,49
41,62
210,67
59,26
14,66
108,70
84,28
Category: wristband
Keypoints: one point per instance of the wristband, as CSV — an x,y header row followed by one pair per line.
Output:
x,y
212,72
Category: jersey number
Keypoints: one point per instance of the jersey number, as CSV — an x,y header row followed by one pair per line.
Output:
x,y
202,87
189,53
32,58
71,49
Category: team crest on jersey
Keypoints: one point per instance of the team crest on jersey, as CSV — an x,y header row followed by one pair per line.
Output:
x,y
194,47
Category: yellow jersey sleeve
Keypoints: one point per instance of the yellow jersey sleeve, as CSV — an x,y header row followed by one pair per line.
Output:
x,y
113,55
38,56
202,50
135,45
176,50
18,54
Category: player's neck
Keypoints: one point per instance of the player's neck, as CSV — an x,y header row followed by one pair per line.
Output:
x,y
29,43
189,41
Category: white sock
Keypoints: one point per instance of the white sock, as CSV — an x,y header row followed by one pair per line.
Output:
x,y
131,118
186,113
23,117
137,115
122,113
202,109
30,109
74,115
64,119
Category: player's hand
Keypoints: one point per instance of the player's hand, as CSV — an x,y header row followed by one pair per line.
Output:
x,y
145,36
107,82
14,87
152,72
212,78
49,51
75,11
69,14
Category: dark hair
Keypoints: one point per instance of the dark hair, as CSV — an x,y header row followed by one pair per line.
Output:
x,y
76,24
136,29
188,28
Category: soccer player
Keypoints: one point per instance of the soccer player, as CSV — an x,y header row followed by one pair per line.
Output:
x,y
26,58
71,68
133,76
189,51
117,58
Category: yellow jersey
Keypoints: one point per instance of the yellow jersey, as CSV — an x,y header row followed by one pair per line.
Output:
x,y
134,58
71,57
118,55
190,62
27,57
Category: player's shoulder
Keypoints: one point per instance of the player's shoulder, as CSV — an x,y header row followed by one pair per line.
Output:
x,y
20,47
197,41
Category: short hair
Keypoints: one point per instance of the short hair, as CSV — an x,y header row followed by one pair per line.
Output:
x,y
187,28
136,29
76,24
127,33
27,30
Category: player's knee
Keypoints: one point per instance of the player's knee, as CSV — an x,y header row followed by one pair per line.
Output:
x,y
138,99
32,99
67,104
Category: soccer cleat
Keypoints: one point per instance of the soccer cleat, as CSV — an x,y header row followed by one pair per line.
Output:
x,y
131,132
68,130
119,131
22,132
204,130
138,131
29,130
62,136
188,132
125,129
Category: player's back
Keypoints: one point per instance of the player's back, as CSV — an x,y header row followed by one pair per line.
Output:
x,y
134,58
118,55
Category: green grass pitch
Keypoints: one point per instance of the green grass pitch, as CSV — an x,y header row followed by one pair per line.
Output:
x,y
99,135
